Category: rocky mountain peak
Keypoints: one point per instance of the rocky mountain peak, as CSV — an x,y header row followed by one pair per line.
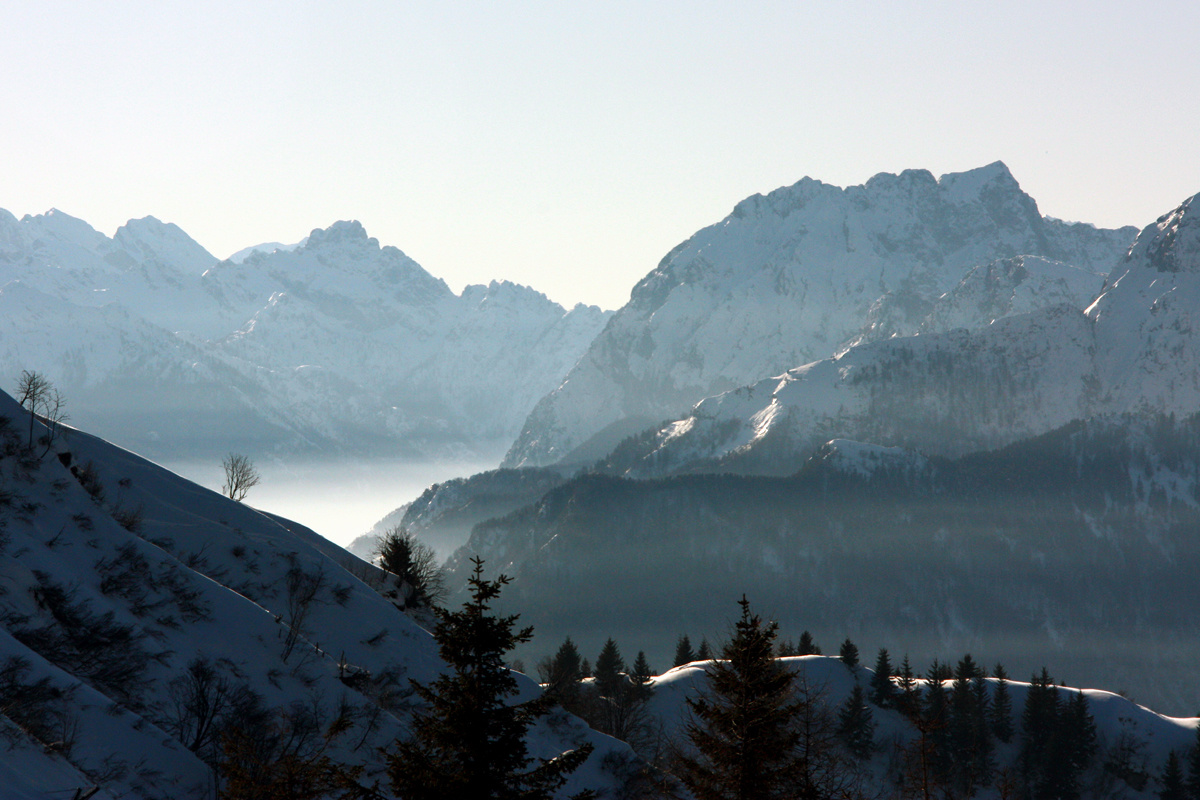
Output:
x,y
1172,243
343,232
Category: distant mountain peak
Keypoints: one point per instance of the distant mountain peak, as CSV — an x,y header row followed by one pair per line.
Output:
x,y
343,231
1174,243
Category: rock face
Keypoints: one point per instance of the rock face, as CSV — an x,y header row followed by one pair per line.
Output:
x,y
793,277
336,345
1135,349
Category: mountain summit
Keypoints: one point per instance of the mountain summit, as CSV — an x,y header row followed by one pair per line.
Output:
x,y
789,278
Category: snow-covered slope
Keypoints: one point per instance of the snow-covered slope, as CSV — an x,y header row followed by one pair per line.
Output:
x,y
1135,349
128,594
789,278
1133,743
334,345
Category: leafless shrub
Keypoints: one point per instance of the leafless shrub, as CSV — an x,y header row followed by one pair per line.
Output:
x,y
38,708
240,476
129,518
303,589
89,478
94,647
203,703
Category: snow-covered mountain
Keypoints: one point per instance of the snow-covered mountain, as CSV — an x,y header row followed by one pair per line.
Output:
x,y
142,615
1135,349
793,277
334,345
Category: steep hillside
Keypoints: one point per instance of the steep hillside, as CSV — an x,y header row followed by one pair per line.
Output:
x,y
1075,548
141,617
335,346
790,278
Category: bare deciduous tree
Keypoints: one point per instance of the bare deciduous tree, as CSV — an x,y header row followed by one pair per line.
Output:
x,y
240,476
38,395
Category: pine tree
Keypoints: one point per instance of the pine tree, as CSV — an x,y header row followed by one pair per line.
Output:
x,y
883,691
609,669
469,740
1171,780
786,649
969,737
849,654
1193,776
935,713
856,724
683,651
565,673
1039,722
806,646
585,669
642,673
908,700
741,731
1001,711
705,652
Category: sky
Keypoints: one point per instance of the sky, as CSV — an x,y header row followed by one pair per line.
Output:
x,y
569,146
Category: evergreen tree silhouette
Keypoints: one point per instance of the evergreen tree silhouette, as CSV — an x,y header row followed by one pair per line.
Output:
x,y
743,740
469,739
1171,782
883,691
856,724
683,651
1001,711
609,669
806,646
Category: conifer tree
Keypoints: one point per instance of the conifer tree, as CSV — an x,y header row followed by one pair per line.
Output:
x,y
908,699
969,737
856,724
1193,777
609,669
642,673
786,649
1039,723
935,713
704,653
806,646
1171,781
883,691
743,740
683,651
469,740
849,654
585,669
565,673
1001,711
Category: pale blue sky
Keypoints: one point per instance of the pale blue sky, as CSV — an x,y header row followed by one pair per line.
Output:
x,y
569,146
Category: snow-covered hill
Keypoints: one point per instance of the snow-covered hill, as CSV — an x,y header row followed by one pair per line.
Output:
x,y
142,615
793,277
1132,742
337,345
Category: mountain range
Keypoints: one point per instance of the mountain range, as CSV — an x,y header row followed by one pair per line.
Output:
x,y
337,346
799,275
